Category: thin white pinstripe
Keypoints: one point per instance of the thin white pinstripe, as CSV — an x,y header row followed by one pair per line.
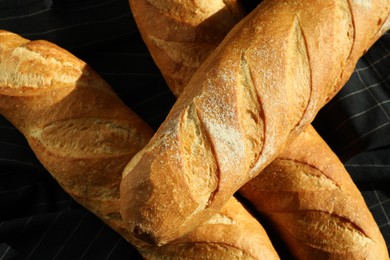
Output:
x,y
384,58
92,241
70,236
380,105
378,204
372,95
113,249
26,223
351,94
337,128
382,208
108,256
44,234
363,136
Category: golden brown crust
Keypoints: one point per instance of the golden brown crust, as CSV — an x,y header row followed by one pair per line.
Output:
x,y
84,135
76,125
312,202
181,34
338,233
263,45
367,26
192,243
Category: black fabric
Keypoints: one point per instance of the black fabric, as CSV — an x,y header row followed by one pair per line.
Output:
x,y
74,25
358,118
38,220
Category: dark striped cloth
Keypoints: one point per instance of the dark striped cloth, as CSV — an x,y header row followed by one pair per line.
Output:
x,y
40,221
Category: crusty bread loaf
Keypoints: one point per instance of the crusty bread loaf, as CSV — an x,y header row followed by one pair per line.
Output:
x,y
84,135
306,169
181,34
260,88
76,125
311,200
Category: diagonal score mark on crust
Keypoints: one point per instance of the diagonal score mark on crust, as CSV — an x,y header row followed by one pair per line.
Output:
x,y
29,68
198,157
353,25
352,35
296,175
216,171
87,137
300,68
365,3
252,115
303,226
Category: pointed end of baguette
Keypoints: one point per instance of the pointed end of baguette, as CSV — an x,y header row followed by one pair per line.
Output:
x,y
156,204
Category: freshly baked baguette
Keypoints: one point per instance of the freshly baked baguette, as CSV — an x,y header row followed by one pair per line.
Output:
x,y
84,135
181,34
260,88
76,125
306,169
313,203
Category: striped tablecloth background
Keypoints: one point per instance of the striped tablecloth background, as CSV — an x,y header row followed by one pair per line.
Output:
x,y
40,221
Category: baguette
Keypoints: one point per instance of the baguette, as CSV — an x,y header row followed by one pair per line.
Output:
x,y
311,200
84,135
286,58
185,33
77,127
280,190
313,227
